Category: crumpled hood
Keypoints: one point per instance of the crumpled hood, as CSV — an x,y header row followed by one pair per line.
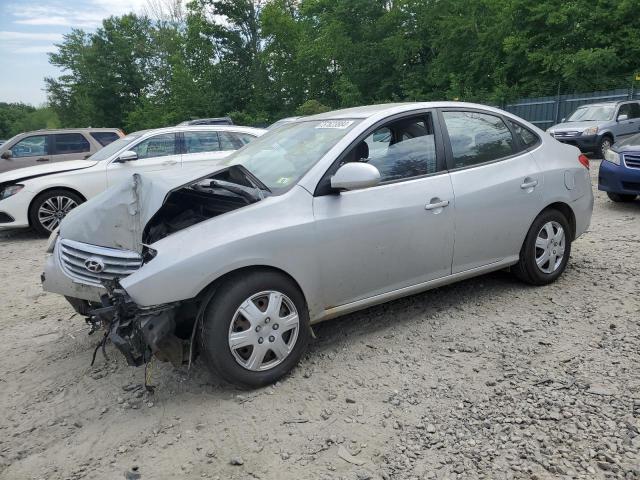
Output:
x,y
41,170
116,218
573,126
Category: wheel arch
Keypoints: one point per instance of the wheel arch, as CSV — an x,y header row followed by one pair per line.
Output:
x,y
566,210
50,189
207,292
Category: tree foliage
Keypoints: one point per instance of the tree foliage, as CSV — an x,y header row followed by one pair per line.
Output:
x,y
262,60
18,117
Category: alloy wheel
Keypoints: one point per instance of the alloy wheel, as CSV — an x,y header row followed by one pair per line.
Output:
x,y
264,330
550,247
53,210
606,145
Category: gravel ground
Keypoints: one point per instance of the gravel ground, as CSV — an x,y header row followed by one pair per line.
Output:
x,y
488,378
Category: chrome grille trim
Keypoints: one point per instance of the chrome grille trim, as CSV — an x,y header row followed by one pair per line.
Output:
x,y
631,160
117,263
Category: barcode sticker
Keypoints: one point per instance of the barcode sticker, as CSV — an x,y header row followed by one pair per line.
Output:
x,y
341,124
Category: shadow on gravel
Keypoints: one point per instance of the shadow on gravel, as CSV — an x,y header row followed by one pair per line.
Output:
x,y
19,234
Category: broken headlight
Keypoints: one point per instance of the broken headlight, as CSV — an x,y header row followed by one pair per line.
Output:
x,y
10,190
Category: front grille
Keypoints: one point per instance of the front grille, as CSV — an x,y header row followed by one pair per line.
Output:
x,y
106,263
632,160
565,134
5,218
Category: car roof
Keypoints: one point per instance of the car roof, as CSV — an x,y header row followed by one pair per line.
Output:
x,y
385,109
204,128
71,130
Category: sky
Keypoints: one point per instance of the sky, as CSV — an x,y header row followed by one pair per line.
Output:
x,y
29,29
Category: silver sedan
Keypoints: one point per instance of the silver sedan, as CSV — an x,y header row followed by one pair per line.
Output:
x,y
320,217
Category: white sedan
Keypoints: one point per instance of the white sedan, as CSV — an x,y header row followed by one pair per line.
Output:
x,y
41,196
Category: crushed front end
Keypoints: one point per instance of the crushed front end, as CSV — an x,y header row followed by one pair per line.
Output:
x,y
139,333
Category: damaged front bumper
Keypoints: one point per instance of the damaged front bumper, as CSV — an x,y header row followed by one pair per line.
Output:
x,y
139,333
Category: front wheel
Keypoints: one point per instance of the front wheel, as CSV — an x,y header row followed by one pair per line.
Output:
x,y
49,208
546,249
604,145
255,329
621,197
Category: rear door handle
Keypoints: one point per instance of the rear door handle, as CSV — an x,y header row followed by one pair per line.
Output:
x,y
41,159
435,205
529,184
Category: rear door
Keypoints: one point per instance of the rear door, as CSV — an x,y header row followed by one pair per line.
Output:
x,y
159,152
69,146
496,184
201,147
27,152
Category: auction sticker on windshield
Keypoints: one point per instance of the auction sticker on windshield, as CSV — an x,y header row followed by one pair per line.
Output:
x,y
341,124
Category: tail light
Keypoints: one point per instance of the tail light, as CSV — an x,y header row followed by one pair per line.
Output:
x,y
582,158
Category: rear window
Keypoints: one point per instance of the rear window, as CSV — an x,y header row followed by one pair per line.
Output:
x,y
105,138
70,143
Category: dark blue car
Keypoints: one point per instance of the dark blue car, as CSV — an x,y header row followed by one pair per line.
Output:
x,y
619,174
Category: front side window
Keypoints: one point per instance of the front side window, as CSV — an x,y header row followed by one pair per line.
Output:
x,y
30,147
282,156
402,149
198,142
70,143
477,138
158,146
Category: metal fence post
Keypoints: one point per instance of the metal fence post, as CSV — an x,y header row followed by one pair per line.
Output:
x,y
557,106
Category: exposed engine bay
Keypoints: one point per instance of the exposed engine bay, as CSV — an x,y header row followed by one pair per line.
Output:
x,y
206,198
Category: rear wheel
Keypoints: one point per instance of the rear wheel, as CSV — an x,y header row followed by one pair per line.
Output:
x,y
255,329
546,249
621,197
49,208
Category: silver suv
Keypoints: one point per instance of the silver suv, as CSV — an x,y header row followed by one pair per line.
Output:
x,y
49,146
595,127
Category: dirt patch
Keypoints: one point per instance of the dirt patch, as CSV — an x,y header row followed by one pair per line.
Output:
x,y
487,378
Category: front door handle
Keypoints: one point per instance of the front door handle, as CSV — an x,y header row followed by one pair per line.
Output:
x,y
529,184
436,204
42,159
168,163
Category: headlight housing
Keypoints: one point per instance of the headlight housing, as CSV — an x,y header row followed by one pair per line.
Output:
x,y
590,131
611,156
10,190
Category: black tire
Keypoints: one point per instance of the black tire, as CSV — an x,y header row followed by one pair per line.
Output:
x,y
527,269
605,143
621,197
35,220
214,337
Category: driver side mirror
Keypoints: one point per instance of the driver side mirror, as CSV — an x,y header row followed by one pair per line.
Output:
x,y
7,155
354,176
622,117
126,156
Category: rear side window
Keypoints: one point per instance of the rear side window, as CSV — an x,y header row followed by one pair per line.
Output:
x,y
526,137
104,138
243,138
634,110
158,146
65,143
198,142
477,138
229,141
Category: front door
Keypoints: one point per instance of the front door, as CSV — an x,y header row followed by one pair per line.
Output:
x,y
497,188
27,152
155,153
396,234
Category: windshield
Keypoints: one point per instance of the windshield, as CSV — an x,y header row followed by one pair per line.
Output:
x,y
592,112
106,152
281,157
